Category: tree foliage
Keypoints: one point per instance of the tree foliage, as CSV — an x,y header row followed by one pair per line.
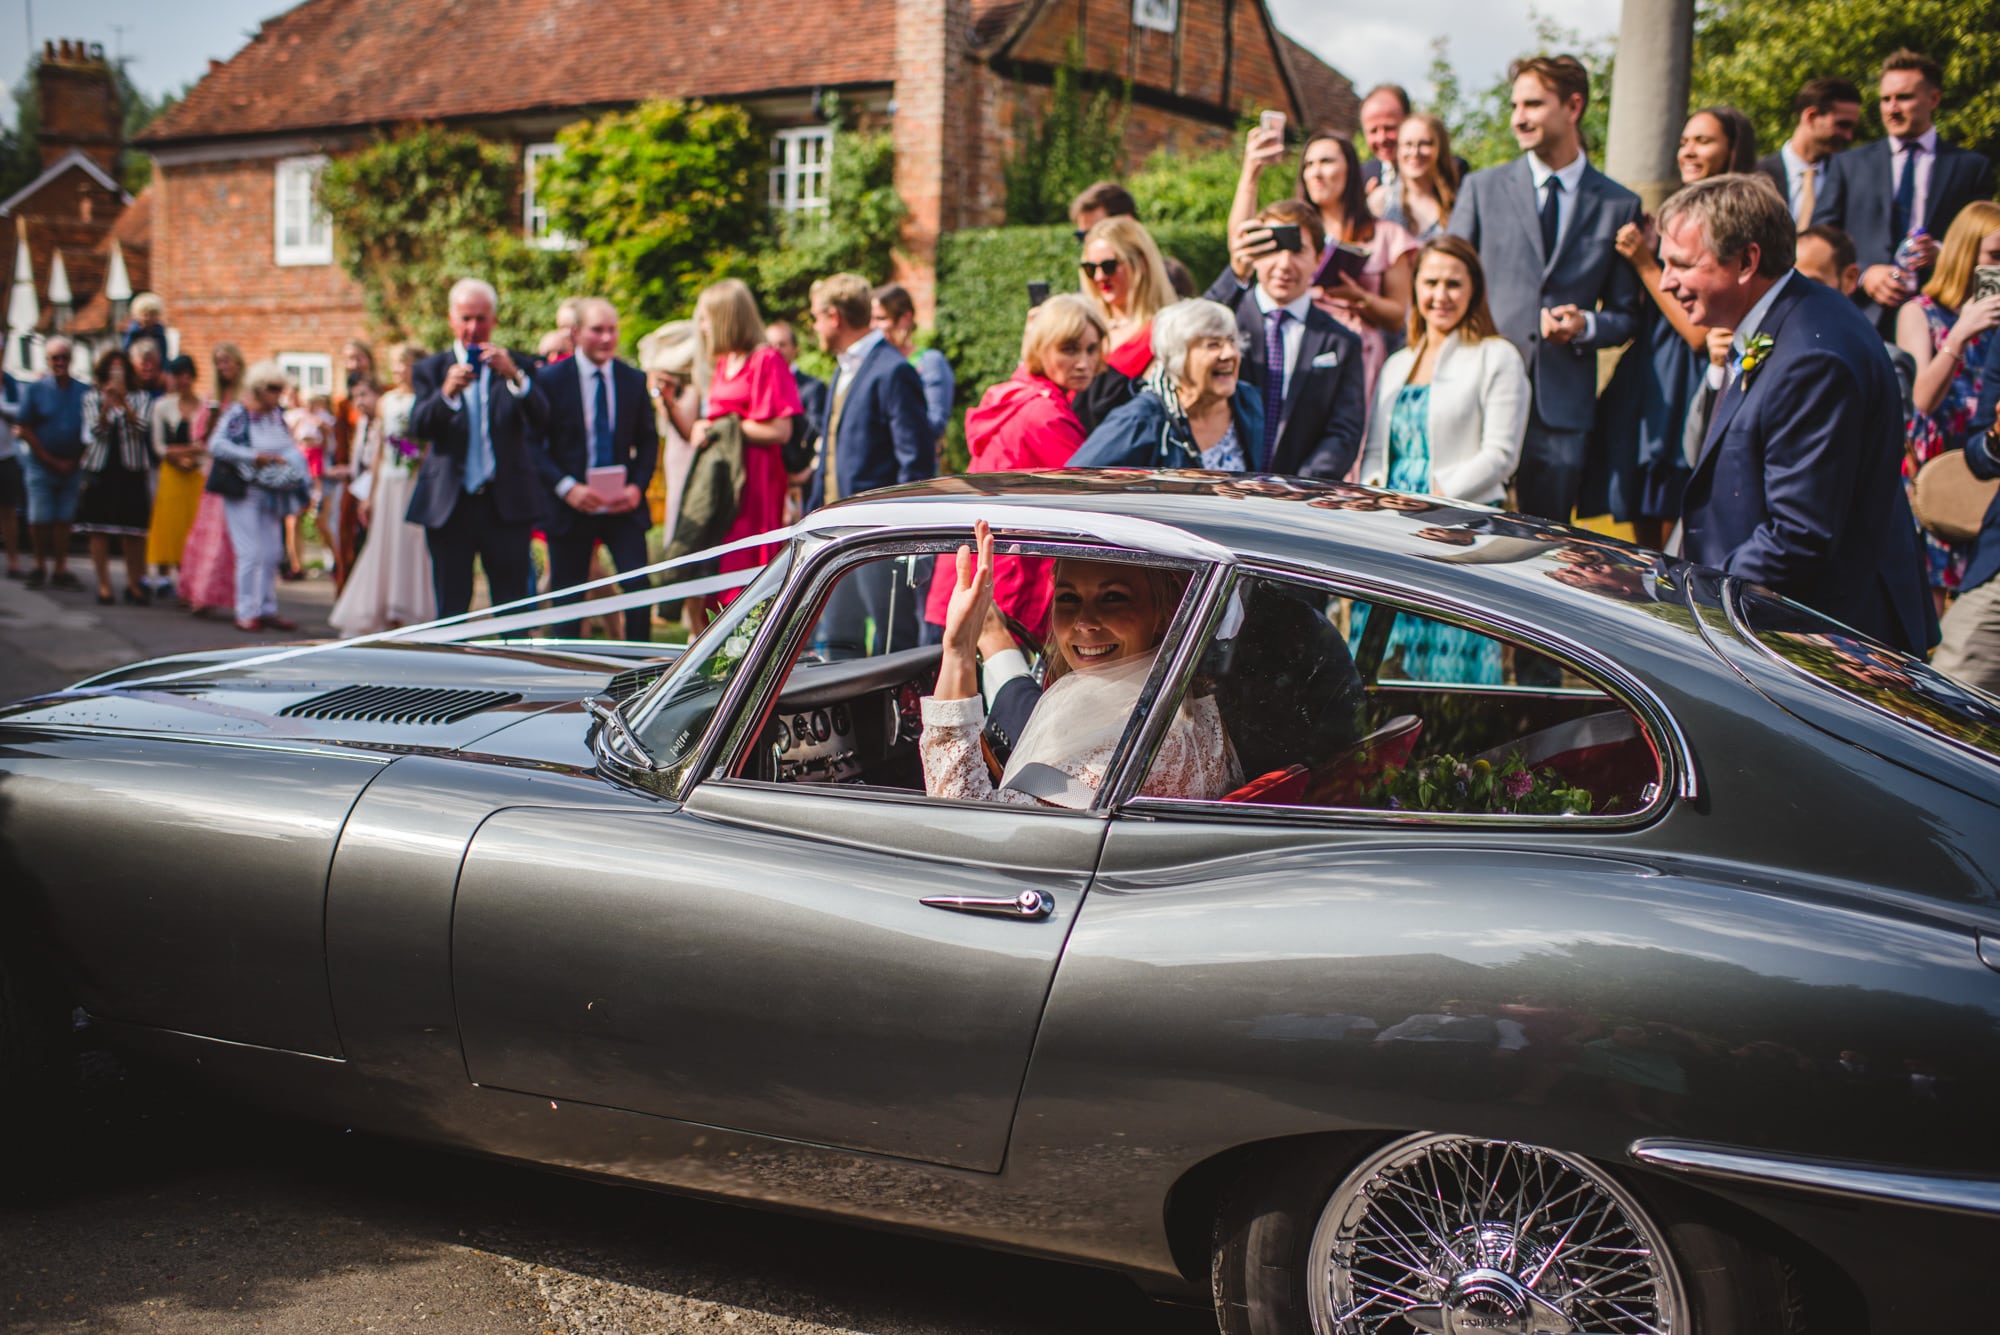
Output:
x,y
1170,188
856,233
416,210
665,199
1079,139
1754,56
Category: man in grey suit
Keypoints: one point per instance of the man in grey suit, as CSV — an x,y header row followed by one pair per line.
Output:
x,y
1544,226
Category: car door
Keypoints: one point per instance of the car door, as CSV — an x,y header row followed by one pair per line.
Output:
x,y
856,966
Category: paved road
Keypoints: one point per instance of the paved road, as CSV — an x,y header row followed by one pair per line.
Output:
x,y
170,1212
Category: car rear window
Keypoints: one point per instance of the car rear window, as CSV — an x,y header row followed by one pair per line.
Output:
x,y
1891,681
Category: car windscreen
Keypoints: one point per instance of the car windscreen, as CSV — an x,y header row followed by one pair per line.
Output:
x,y
672,720
1893,682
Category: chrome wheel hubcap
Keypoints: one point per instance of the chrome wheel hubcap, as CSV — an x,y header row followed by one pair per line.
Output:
x,y
1452,1235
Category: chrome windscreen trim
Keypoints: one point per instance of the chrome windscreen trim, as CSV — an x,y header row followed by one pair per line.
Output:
x,y
1824,1177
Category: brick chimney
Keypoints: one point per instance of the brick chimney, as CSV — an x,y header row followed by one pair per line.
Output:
x,y
932,87
79,104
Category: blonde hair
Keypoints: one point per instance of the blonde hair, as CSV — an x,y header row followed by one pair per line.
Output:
x,y
149,303
1951,282
733,322
1133,244
1444,169
849,295
1061,318
215,356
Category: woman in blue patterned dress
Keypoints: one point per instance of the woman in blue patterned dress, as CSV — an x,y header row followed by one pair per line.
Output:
x,y
1450,412
1947,329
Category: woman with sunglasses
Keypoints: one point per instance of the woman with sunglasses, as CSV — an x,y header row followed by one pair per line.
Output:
x,y
1125,279
272,483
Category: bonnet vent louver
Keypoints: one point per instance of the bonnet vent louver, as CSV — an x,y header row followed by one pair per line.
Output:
x,y
398,704
633,680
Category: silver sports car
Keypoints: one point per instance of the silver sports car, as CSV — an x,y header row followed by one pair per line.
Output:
x,y
1659,997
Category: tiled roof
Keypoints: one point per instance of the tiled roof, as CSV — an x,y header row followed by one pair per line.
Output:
x,y
331,64
1329,96
134,233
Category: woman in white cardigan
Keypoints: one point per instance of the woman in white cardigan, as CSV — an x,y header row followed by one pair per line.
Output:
x,y
1450,410
1452,406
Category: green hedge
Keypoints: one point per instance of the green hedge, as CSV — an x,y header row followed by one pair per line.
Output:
x,y
982,289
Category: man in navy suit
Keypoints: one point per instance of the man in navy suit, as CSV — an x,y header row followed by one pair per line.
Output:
x,y
1315,391
599,417
477,493
1799,483
875,434
1881,192
1544,225
1826,112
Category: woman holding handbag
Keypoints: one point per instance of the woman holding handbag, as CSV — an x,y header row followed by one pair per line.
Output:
x,y
272,483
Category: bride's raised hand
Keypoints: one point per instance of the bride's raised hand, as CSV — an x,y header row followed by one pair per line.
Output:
x,y
965,616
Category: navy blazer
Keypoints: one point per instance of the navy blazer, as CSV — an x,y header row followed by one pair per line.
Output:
x,y
516,487
885,435
1799,485
1325,412
562,446
1857,194
1498,213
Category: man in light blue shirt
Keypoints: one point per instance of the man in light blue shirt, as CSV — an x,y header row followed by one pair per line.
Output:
x,y
50,424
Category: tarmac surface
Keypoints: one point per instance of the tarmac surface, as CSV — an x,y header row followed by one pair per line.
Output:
x,y
165,1210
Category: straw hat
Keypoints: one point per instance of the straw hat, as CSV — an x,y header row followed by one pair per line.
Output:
x,y
672,348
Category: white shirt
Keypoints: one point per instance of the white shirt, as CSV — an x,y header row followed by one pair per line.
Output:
x,y
587,372
849,362
1898,150
1292,334
1796,168
1571,178
1748,330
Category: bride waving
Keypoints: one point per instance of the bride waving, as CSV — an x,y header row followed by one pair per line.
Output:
x,y
1106,622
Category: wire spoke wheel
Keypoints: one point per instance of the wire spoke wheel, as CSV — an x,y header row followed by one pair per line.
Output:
x,y
1451,1235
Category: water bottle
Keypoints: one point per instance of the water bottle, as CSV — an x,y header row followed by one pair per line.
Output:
x,y
1907,252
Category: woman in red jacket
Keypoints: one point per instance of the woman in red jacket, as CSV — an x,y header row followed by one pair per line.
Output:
x,y
1026,424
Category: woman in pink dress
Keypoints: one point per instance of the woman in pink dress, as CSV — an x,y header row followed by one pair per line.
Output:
x,y
750,381
208,562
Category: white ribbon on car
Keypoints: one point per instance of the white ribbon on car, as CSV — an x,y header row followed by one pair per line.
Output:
x,y
529,612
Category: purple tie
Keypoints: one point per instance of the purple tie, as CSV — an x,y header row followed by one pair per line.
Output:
x,y
1274,381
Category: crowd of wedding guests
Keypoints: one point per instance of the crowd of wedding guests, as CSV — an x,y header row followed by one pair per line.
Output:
x,y
1801,330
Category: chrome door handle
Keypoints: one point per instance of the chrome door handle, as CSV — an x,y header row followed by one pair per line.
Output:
x,y
1031,904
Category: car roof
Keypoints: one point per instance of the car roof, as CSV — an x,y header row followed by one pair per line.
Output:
x,y
1586,586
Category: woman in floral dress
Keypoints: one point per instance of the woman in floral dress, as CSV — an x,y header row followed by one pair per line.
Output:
x,y
1947,330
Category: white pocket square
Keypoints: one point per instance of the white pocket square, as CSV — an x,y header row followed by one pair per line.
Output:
x,y
1324,360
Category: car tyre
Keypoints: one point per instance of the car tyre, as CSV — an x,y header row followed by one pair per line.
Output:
x,y
1312,1241
37,1072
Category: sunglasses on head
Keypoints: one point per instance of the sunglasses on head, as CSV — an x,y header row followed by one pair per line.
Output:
x,y
1091,269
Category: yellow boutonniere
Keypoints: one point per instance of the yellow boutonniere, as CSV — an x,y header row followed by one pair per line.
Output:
x,y
1755,350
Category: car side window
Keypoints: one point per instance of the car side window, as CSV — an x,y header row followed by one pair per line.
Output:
x,y
850,710
1339,703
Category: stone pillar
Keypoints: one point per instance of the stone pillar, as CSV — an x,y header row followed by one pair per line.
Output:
x,y
1649,96
931,86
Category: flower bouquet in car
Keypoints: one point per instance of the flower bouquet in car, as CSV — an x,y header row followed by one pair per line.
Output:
x,y
1447,783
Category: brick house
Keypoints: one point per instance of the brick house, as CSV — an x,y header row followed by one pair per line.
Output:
x,y
74,244
241,252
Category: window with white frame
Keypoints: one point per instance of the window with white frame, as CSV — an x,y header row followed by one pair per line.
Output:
x,y
312,372
534,213
800,162
1159,15
305,233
